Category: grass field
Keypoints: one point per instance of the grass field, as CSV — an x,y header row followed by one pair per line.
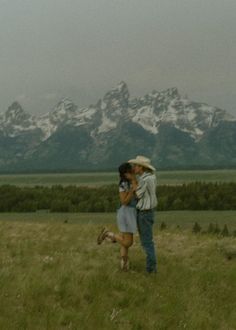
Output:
x,y
183,219
99,178
54,276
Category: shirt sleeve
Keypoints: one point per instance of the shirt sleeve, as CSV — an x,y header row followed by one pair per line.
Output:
x,y
122,187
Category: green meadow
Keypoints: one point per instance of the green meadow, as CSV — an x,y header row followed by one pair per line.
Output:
x,y
183,219
104,178
53,275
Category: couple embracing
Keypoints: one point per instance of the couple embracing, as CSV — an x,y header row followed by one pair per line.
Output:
x,y
137,191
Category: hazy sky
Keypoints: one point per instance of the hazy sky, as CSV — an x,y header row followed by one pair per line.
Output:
x,y
82,48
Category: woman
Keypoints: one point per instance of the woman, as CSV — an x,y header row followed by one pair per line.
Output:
x,y
126,215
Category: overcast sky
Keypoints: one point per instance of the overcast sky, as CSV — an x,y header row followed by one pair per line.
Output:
x,y
50,49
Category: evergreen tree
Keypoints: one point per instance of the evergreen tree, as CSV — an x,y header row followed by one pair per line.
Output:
x,y
196,228
163,226
225,231
59,198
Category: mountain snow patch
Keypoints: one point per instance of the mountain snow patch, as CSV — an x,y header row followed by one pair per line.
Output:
x,y
106,124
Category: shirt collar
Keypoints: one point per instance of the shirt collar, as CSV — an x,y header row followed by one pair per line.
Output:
x,y
144,175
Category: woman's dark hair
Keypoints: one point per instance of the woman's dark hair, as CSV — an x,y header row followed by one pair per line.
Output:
x,y
123,169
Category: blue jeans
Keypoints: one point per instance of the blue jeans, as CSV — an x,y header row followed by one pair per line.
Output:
x,y
145,220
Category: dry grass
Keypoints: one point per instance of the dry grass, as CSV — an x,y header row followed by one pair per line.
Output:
x,y
54,276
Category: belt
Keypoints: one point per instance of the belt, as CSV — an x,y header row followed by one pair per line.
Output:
x,y
144,211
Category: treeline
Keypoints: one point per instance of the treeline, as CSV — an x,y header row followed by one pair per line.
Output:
x,y
198,196
192,196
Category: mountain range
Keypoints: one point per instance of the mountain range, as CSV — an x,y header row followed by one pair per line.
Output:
x,y
165,126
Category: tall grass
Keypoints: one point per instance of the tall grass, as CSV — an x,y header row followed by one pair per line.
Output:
x,y
54,276
183,219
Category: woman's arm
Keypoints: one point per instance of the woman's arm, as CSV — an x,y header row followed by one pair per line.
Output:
x,y
126,196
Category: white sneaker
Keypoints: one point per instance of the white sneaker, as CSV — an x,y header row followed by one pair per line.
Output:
x,y
111,236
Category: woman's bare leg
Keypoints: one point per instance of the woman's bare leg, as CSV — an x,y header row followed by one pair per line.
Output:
x,y
124,239
124,251
125,242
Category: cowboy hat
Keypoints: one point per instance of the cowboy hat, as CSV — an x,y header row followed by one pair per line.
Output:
x,y
142,161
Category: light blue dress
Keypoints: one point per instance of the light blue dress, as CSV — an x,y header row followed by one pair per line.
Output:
x,y
127,214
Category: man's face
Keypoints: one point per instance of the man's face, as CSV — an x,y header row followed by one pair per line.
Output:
x,y
137,169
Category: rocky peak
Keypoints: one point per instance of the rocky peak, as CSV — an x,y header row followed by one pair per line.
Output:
x,y
64,106
16,113
14,109
64,110
158,99
123,88
171,92
117,97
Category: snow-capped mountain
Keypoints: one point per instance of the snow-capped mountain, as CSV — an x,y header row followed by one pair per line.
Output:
x,y
16,121
163,125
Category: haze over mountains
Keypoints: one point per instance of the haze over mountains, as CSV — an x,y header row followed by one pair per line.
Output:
x,y
172,130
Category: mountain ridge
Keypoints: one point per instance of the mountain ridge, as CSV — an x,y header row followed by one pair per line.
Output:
x,y
165,126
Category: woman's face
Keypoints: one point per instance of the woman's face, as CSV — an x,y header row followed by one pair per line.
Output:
x,y
129,175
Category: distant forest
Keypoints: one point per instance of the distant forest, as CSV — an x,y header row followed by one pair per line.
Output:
x,y
58,198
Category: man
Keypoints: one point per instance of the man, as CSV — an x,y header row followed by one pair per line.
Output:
x,y
145,190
